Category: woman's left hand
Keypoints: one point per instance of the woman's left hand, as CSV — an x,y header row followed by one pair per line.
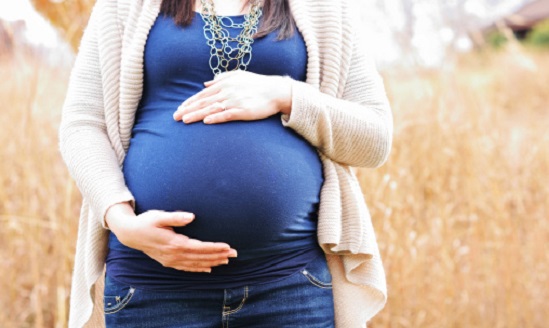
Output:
x,y
237,95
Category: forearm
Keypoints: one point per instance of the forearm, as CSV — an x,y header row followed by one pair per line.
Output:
x,y
353,124
94,167
84,142
349,132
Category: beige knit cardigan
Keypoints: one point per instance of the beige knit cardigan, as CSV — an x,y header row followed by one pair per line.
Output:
x,y
341,109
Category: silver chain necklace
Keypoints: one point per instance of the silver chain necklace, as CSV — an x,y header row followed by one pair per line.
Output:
x,y
223,56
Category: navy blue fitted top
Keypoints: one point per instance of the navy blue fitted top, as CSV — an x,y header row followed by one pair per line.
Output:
x,y
252,184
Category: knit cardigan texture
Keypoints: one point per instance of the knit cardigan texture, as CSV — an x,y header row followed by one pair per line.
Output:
x,y
341,109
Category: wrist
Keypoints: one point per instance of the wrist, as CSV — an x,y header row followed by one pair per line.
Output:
x,y
117,214
284,98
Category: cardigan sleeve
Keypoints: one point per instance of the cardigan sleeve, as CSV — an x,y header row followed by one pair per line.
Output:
x,y
83,140
355,130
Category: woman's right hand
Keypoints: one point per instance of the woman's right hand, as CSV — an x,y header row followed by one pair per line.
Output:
x,y
152,233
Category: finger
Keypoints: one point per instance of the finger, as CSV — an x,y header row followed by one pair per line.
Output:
x,y
180,267
191,269
203,264
202,247
177,258
174,219
199,266
233,114
199,115
201,101
206,92
219,257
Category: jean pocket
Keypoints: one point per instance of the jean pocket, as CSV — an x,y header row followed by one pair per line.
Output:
x,y
317,273
116,296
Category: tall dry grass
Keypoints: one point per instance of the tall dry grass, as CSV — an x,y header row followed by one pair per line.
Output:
x,y
460,209
38,201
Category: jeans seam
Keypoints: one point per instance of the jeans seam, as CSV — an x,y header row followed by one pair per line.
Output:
x,y
316,281
224,318
226,313
122,303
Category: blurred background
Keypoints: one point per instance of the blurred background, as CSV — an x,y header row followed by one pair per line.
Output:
x,y
460,208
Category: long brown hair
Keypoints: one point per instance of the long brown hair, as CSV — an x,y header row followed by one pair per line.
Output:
x,y
276,15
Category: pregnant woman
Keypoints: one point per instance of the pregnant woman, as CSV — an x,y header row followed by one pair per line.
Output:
x,y
215,173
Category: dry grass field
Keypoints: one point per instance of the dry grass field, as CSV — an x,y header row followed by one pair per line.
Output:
x,y
461,208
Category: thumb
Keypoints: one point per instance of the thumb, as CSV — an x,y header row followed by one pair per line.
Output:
x,y
174,219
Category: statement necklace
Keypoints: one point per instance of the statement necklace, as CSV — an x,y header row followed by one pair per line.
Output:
x,y
224,56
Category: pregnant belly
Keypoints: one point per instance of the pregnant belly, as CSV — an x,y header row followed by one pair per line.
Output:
x,y
254,185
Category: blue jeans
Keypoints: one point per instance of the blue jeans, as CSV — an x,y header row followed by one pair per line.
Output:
x,y
303,299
